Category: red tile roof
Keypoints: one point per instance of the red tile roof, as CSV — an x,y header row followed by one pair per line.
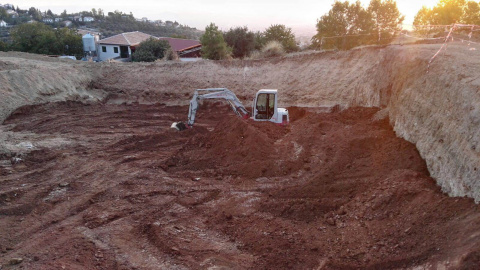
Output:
x,y
126,39
135,38
179,44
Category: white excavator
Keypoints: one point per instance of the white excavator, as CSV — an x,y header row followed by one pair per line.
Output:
x,y
264,106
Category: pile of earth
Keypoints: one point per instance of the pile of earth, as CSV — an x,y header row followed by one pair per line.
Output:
x,y
235,146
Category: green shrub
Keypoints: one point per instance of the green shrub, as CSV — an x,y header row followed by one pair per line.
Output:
x,y
150,50
3,46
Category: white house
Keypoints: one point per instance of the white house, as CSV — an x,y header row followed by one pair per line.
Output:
x,y
88,19
12,13
123,45
120,46
8,6
3,24
58,19
67,23
47,20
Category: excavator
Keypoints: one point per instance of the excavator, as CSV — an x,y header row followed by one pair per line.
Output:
x,y
264,106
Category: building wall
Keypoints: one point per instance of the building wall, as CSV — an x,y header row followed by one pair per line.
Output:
x,y
110,53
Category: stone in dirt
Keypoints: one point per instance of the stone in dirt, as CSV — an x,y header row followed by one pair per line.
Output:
x,y
15,261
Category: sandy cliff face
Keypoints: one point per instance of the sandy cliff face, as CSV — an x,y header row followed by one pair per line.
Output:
x,y
29,79
437,110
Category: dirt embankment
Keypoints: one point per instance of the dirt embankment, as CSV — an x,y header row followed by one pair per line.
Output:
x,y
27,79
437,110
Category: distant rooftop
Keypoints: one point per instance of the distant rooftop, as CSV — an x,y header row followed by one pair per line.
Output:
x,y
179,44
86,31
126,39
135,38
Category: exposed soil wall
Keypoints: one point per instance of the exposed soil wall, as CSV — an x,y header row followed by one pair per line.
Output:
x,y
27,79
437,110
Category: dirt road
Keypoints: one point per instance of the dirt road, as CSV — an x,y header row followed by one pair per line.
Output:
x,y
113,187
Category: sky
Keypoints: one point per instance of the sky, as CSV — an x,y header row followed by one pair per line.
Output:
x,y
300,15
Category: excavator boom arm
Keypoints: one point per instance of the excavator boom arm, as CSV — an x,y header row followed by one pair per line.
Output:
x,y
214,93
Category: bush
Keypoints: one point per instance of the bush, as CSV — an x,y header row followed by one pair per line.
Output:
x,y
273,49
3,46
143,56
150,50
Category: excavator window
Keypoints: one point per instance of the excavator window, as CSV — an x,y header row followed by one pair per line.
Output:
x,y
265,106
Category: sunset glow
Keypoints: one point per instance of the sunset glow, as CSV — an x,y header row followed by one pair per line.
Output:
x,y
301,15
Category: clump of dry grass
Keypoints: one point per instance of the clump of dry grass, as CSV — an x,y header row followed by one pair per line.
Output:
x,y
171,55
273,49
255,55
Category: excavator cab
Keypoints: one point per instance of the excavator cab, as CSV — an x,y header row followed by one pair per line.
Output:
x,y
265,107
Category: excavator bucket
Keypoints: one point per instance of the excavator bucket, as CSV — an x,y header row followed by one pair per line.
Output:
x,y
179,126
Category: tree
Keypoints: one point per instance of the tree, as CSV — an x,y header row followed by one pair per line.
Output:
x,y
3,14
101,15
344,27
35,13
213,45
444,13
386,18
260,40
283,35
150,50
423,17
240,40
70,41
34,38
40,38
471,13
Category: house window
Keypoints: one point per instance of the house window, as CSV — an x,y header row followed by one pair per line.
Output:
x,y
115,49
104,48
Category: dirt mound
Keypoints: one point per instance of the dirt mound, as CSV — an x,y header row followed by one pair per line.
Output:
x,y
235,147
345,141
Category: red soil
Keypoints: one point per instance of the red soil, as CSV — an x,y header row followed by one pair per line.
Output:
x,y
330,191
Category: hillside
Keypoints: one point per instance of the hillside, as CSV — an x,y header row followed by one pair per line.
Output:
x,y
108,24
